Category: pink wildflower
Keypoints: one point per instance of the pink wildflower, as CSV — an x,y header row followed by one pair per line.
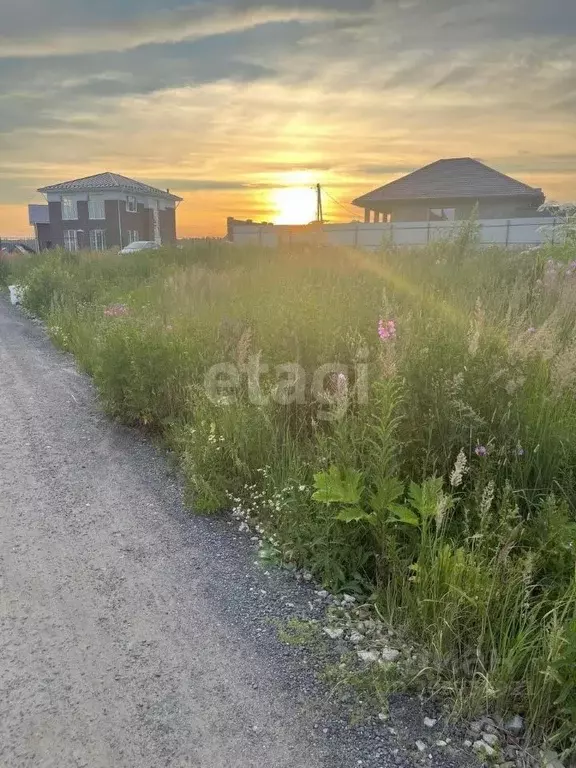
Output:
x,y
387,329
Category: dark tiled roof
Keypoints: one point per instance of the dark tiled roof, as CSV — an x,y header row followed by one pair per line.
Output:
x,y
451,178
107,181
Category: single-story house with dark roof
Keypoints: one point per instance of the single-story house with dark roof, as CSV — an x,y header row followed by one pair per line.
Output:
x,y
103,211
450,190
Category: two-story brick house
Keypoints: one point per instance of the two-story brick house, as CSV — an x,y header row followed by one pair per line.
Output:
x,y
104,211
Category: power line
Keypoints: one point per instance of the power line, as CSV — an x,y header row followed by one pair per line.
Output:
x,y
349,211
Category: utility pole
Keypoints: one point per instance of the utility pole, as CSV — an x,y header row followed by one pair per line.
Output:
x,y
319,212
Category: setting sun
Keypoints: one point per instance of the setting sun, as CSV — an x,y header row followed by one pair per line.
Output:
x,y
294,205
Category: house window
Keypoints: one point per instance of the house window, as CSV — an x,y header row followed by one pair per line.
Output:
x,y
97,240
96,209
131,204
69,209
442,214
71,239
133,236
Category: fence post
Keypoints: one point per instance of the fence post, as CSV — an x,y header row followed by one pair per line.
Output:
x,y
507,233
553,229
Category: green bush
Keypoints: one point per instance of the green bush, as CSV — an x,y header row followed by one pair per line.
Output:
x,y
434,469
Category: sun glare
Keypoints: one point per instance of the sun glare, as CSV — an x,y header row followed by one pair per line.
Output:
x,y
294,205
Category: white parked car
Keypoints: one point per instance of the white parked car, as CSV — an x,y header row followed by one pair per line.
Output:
x,y
140,245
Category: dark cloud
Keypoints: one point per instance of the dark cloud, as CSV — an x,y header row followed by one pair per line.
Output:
x,y
380,170
289,166
204,184
40,91
24,18
460,75
64,33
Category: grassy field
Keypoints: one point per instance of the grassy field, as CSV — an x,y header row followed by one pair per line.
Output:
x,y
402,424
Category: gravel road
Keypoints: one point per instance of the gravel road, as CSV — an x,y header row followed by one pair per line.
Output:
x,y
133,634
113,653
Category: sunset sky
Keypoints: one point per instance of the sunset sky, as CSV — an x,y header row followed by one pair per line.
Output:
x,y
240,107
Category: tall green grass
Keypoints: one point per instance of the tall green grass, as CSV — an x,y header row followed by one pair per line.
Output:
x,y
435,474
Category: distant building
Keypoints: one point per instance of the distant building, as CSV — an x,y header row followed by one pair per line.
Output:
x,y
449,190
103,211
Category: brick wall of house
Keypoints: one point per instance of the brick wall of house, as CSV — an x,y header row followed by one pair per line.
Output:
x,y
83,224
44,236
117,224
168,226
141,222
56,229
132,222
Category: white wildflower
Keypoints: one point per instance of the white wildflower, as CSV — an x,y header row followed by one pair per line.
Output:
x,y
443,504
487,498
460,469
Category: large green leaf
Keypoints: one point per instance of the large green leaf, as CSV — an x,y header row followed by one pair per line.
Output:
x,y
424,498
353,515
401,514
416,496
388,490
338,486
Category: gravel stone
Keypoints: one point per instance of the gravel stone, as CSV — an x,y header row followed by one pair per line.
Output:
x,y
515,726
334,633
550,759
421,746
484,748
370,657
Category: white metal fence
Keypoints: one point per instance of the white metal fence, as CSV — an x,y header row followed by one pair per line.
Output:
x,y
510,233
